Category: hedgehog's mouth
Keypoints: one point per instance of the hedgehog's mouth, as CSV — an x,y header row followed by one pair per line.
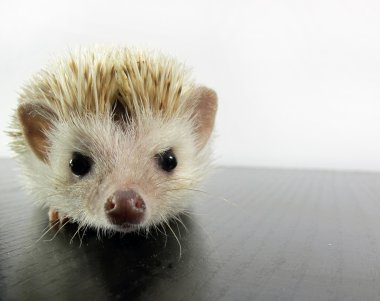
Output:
x,y
126,227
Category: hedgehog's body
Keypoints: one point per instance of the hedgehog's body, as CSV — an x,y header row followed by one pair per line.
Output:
x,y
114,138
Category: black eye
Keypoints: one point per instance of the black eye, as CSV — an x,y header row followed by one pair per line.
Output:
x,y
167,160
80,164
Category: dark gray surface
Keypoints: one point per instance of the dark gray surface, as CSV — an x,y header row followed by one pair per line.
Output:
x,y
291,235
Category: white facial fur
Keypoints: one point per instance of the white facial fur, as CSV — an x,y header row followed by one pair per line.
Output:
x,y
124,158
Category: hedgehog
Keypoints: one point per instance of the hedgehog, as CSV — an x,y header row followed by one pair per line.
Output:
x,y
115,139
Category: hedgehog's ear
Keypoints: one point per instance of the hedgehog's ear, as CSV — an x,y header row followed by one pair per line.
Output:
x,y
36,120
205,103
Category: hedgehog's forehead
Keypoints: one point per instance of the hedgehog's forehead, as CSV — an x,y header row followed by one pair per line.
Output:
x,y
101,137
92,82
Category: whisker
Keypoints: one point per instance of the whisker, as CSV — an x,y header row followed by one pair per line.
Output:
x,y
175,236
176,223
48,230
81,237
76,232
166,235
192,213
199,225
59,229
98,234
183,225
48,225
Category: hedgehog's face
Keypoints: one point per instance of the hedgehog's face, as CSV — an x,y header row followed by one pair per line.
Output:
x,y
118,175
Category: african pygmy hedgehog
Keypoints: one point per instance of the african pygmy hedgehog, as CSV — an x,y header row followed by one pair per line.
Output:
x,y
114,138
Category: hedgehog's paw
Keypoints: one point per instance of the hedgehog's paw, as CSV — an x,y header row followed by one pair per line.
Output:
x,y
55,217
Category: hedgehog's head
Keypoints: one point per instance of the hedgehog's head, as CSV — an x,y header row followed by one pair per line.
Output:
x,y
112,170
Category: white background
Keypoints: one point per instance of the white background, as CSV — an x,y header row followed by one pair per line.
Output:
x,y
298,81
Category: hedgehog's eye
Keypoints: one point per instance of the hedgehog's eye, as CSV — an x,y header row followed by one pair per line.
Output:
x,y
167,160
80,164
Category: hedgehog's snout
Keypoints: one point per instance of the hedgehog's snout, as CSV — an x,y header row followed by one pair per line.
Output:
x,y
125,208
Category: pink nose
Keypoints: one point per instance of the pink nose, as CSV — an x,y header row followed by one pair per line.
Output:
x,y
125,207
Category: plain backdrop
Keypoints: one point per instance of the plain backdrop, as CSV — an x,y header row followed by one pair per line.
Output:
x,y
298,81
